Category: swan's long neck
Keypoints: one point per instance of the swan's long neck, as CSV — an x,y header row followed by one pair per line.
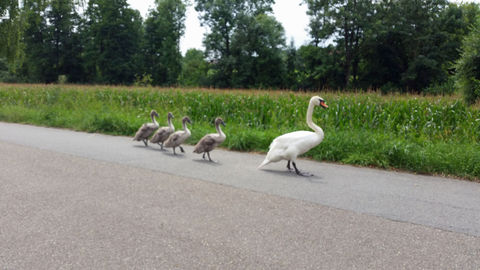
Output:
x,y
219,130
185,128
154,120
310,123
170,124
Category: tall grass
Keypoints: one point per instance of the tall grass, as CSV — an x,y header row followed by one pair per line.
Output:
x,y
421,134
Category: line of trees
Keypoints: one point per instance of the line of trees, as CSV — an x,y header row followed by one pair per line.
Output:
x,y
401,45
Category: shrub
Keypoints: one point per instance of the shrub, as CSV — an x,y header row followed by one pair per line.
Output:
x,y
143,80
445,88
62,79
468,66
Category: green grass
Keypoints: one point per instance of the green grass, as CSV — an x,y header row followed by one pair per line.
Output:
x,y
433,135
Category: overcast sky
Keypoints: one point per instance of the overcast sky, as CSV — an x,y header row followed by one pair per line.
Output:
x,y
289,13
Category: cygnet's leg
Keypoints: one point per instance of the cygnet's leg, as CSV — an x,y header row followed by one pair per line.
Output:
x,y
203,155
161,145
208,154
181,149
299,172
145,142
174,151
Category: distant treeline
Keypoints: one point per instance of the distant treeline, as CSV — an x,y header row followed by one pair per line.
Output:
x,y
391,45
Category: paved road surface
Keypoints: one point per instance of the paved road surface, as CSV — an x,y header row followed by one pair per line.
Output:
x,y
82,201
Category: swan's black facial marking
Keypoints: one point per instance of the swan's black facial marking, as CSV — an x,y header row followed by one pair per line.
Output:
x,y
322,103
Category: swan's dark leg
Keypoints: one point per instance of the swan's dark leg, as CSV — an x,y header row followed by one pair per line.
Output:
x,y
174,151
288,166
299,172
181,149
161,145
145,142
208,154
203,155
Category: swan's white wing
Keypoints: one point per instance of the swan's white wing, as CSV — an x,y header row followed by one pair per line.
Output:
x,y
293,138
290,145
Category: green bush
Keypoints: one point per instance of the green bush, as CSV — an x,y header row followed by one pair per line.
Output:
x,y
445,88
468,66
62,79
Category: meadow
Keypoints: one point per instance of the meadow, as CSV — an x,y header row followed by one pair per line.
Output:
x,y
431,135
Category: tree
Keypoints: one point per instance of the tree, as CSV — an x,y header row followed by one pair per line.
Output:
x,y
51,41
36,67
319,68
257,52
412,44
11,24
345,21
222,17
163,29
468,66
321,26
455,22
63,41
112,32
422,41
194,69
292,61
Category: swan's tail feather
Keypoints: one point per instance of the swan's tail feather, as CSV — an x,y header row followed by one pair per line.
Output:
x,y
265,162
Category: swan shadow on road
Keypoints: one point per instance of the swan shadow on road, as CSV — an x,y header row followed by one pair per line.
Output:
x,y
170,154
207,162
141,146
313,179
151,148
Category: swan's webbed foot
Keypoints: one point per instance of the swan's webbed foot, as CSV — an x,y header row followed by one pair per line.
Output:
x,y
306,174
181,149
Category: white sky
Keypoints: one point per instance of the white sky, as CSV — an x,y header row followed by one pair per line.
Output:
x,y
289,13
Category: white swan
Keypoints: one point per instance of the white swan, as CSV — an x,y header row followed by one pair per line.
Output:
x,y
164,132
289,146
210,141
147,129
179,137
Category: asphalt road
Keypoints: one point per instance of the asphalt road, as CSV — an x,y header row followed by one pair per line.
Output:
x,y
75,200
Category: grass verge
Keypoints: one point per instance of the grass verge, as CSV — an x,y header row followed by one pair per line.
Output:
x,y
432,135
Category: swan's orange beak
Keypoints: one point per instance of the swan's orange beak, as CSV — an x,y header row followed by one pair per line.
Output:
x,y
322,103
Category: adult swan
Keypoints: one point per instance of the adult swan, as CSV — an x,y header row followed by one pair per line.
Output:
x,y
289,146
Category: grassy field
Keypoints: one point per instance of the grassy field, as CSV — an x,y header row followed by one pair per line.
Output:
x,y
433,135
